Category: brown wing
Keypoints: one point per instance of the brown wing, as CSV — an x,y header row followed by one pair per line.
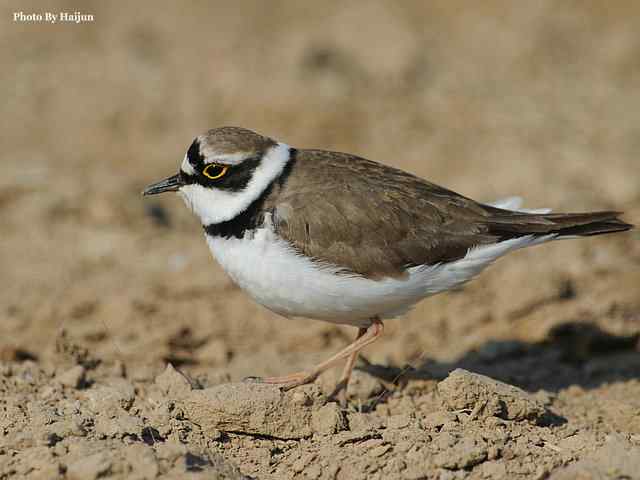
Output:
x,y
372,219
376,221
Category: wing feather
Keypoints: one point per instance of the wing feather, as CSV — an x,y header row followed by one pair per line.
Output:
x,y
371,219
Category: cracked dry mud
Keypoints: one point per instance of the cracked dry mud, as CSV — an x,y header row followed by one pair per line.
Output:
x,y
532,371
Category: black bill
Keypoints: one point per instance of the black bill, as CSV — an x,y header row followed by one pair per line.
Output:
x,y
170,184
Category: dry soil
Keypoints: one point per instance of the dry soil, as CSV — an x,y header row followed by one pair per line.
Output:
x,y
122,344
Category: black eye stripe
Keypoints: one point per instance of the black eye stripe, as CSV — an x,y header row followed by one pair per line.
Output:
x,y
235,179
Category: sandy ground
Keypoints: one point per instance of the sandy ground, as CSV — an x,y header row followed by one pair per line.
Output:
x,y
531,371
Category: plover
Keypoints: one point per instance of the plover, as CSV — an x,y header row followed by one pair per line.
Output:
x,y
336,237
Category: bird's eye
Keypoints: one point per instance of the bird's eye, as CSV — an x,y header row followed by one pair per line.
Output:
x,y
214,171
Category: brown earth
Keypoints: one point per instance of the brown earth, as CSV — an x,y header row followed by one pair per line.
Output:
x,y
100,289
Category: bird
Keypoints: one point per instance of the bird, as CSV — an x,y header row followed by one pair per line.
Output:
x,y
336,237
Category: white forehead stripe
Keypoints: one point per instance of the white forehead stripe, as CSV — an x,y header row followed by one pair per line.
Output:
x,y
186,166
228,159
214,205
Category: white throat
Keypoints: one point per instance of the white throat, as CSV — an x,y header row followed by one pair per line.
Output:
x,y
216,206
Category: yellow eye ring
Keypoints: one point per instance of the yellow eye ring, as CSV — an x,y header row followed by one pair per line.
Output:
x,y
215,171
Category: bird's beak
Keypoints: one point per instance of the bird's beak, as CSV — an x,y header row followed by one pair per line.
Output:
x,y
170,184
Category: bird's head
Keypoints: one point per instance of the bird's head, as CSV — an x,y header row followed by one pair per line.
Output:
x,y
224,171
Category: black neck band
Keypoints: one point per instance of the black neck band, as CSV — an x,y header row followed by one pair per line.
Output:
x,y
253,217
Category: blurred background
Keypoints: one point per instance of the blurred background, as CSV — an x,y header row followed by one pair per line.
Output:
x,y
491,99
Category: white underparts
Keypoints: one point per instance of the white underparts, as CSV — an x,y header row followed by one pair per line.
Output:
x,y
215,205
282,280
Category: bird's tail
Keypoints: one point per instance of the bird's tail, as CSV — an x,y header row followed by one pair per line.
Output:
x,y
507,224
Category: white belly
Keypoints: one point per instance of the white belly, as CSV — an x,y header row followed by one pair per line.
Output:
x,y
275,276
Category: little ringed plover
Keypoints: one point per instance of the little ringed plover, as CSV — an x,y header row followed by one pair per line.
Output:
x,y
336,237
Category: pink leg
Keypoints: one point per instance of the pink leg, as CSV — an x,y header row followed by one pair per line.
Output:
x,y
341,388
365,337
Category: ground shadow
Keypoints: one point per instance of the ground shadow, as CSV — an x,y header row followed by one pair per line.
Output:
x,y
573,354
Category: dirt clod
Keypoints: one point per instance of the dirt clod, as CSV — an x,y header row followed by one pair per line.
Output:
x,y
485,396
253,409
